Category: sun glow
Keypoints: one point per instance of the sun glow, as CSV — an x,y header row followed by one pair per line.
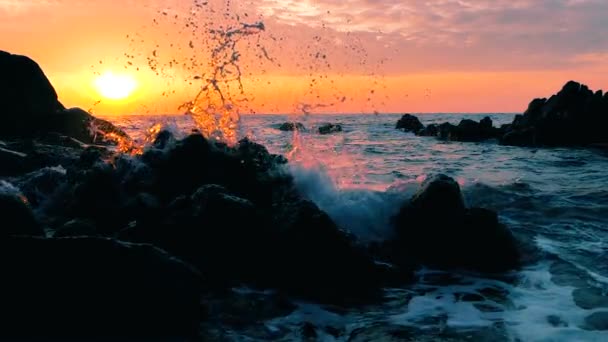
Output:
x,y
114,86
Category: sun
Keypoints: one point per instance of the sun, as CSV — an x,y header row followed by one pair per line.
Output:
x,y
114,86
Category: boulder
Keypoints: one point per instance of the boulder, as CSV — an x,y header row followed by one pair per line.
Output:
x,y
30,109
92,288
409,123
575,116
329,128
431,130
212,229
292,126
467,130
24,90
435,228
17,216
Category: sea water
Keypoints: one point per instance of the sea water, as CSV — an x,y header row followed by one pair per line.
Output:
x,y
553,198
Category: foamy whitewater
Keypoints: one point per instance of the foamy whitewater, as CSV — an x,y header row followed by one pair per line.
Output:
x,y
555,198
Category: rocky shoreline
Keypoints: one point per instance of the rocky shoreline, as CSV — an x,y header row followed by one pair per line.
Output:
x,y
146,245
575,116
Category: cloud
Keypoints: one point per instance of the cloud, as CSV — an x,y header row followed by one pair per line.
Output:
x,y
499,34
17,7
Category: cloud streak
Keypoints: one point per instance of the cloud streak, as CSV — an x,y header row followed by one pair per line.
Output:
x,y
505,33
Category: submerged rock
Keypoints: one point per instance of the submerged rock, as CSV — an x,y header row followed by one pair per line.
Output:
x,y
329,128
409,123
435,228
102,288
292,126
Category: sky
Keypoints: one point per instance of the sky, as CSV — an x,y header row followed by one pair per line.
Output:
x,y
312,56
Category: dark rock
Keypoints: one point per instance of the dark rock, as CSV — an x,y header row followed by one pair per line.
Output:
x,y
103,289
292,126
308,331
557,321
76,228
24,89
434,228
30,108
431,130
597,321
574,116
409,123
467,130
212,229
17,216
39,186
590,298
445,131
329,128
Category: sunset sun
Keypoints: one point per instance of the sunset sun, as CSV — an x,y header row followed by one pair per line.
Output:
x,y
115,86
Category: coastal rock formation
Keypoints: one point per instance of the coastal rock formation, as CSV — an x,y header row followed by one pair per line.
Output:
x,y
77,288
574,116
292,126
29,107
409,123
17,217
434,228
329,128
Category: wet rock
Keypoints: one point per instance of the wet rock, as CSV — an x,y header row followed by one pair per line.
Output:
x,y
324,262
308,331
212,229
409,123
597,321
40,186
589,298
76,228
292,126
17,216
557,321
104,289
329,128
435,228
574,116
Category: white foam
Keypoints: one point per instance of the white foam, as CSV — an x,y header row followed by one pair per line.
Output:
x,y
364,212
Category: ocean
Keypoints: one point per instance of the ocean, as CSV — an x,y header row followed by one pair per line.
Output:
x,y
553,198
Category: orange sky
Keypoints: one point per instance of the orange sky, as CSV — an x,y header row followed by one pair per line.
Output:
x,y
364,56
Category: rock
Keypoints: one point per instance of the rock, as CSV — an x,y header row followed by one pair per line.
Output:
x,y
30,109
308,331
597,321
467,130
409,123
17,216
573,116
24,90
431,130
557,321
292,126
103,288
435,228
40,186
329,128
212,230
76,228
445,131
318,260
589,298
